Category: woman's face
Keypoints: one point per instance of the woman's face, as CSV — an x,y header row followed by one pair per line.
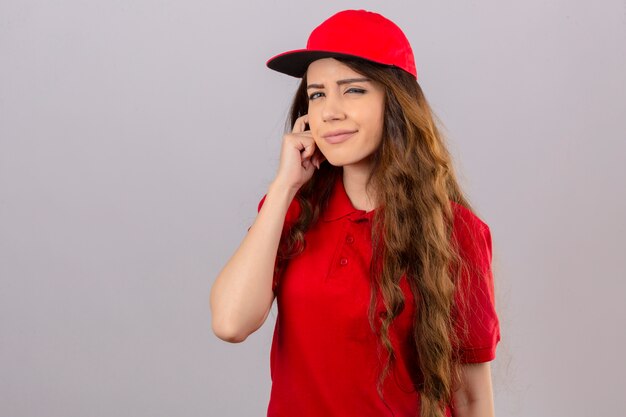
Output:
x,y
346,112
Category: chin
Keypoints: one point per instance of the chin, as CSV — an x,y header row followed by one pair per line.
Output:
x,y
333,158
333,163
340,162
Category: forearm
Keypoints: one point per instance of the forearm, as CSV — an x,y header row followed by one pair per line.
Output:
x,y
475,396
476,408
241,295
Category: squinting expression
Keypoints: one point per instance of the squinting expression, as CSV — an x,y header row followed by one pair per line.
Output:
x,y
346,112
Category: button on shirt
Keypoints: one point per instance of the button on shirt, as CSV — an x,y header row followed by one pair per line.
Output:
x,y
324,359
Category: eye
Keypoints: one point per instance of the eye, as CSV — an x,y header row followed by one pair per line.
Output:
x,y
355,90
314,95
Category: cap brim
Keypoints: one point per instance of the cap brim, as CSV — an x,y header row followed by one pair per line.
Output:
x,y
296,62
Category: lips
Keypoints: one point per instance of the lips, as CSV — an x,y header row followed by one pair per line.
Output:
x,y
338,136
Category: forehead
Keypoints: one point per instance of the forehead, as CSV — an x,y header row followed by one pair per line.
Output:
x,y
329,68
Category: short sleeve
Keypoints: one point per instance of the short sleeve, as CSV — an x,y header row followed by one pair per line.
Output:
x,y
474,299
293,212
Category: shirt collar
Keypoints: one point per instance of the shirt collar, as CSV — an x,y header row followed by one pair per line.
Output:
x,y
339,205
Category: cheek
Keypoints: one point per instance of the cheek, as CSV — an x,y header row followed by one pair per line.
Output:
x,y
376,121
319,143
314,125
381,119
316,135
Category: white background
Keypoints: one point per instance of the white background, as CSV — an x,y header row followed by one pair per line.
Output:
x,y
137,138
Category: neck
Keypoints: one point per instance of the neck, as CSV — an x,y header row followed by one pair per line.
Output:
x,y
354,180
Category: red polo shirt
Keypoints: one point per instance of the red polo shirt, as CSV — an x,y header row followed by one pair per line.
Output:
x,y
324,359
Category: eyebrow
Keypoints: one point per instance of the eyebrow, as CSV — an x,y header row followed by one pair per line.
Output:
x,y
340,82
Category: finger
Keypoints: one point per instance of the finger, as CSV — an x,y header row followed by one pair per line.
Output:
x,y
309,150
299,125
319,155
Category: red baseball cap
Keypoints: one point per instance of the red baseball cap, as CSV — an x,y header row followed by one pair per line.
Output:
x,y
350,34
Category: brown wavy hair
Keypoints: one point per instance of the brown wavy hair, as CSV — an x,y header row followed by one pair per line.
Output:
x,y
414,177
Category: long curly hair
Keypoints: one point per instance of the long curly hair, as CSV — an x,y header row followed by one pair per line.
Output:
x,y
411,231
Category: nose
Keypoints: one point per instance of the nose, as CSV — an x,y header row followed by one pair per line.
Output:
x,y
333,109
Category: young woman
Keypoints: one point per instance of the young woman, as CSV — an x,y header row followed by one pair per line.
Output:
x,y
380,268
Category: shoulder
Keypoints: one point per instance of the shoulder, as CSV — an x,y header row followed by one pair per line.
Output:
x,y
472,233
466,221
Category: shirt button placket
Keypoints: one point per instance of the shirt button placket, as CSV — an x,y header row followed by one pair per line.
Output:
x,y
349,239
